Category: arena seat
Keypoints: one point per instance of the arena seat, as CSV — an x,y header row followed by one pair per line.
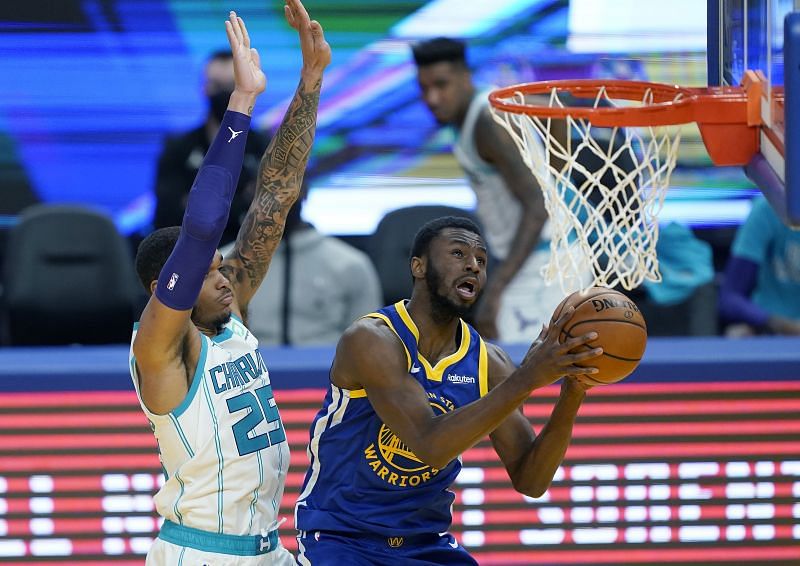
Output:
x,y
390,246
68,278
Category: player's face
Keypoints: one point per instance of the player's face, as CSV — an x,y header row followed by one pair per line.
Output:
x,y
446,90
456,270
219,76
213,306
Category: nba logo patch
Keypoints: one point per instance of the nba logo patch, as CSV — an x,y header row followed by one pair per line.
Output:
x,y
172,281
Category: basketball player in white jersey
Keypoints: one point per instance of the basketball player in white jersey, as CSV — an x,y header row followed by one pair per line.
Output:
x,y
200,378
516,302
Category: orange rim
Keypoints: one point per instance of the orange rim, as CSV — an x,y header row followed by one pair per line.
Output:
x,y
668,105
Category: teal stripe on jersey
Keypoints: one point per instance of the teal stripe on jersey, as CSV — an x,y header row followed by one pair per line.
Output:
x,y
180,558
220,459
199,372
182,436
177,500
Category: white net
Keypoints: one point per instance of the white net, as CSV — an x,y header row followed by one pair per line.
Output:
x,y
603,189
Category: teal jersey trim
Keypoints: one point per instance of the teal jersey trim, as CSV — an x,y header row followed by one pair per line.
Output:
x,y
199,372
222,336
218,543
177,500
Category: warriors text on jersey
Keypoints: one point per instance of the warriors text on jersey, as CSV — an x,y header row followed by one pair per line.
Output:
x,y
362,477
223,449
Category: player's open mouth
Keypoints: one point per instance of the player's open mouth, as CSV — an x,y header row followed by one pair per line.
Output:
x,y
467,289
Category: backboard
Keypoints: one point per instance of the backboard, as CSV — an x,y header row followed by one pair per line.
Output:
x,y
764,35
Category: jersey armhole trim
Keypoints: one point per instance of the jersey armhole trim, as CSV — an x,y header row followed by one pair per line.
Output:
x,y
483,369
388,322
199,372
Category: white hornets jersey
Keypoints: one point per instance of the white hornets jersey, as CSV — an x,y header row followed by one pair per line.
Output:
x,y
223,449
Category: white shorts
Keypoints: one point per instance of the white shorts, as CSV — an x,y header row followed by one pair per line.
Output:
x,y
528,303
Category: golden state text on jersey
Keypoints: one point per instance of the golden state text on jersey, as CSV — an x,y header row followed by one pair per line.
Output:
x,y
362,477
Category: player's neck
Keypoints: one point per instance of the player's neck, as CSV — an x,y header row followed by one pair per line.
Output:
x,y
462,115
437,335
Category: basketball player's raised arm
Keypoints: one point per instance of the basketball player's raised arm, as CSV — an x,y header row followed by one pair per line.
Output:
x,y
370,356
167,344
497,147
283,165
530,460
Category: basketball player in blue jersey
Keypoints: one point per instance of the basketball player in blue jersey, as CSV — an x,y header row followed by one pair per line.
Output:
x,y
196,368
412,387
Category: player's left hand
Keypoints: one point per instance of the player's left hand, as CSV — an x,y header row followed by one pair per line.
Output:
x,y
316,51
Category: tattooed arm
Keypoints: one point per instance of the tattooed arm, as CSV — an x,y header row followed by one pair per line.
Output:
x,y
282,166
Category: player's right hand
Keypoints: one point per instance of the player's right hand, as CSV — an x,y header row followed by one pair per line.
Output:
x,y
316,51
548,360
248,76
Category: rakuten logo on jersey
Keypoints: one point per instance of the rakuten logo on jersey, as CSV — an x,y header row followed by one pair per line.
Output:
x,y
455,378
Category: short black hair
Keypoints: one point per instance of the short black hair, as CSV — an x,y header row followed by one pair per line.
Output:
x,y
439,49
153,253
220,55
431,229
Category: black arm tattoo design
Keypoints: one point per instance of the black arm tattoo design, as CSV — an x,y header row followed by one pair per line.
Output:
x,y
279,181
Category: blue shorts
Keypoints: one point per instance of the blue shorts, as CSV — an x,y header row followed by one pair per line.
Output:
x,y
325,548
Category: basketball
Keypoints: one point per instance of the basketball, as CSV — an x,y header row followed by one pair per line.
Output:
x,y
620,326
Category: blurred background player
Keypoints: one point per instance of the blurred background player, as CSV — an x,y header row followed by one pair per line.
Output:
x,y
760,292
510,204
412,387
316,287
197,370
182,154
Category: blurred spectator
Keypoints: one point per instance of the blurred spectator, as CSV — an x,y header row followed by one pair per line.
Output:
x,y
515,302
761,290
182,154
684,302
330,284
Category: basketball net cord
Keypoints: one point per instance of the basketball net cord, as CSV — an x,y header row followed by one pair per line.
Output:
x,y
602,219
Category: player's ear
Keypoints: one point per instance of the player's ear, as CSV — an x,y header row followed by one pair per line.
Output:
x,y
153,287
418,267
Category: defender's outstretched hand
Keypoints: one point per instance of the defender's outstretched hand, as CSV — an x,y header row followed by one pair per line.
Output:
x,y
316,51
249,78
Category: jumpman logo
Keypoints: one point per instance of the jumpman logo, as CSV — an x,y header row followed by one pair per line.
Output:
x,y
524,322
233,134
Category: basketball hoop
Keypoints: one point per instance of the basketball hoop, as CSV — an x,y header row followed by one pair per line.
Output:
x,y
606,213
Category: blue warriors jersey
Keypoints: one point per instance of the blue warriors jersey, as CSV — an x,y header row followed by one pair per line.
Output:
x,y
362,478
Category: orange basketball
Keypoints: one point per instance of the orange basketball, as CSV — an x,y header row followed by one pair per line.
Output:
x,y
621,331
